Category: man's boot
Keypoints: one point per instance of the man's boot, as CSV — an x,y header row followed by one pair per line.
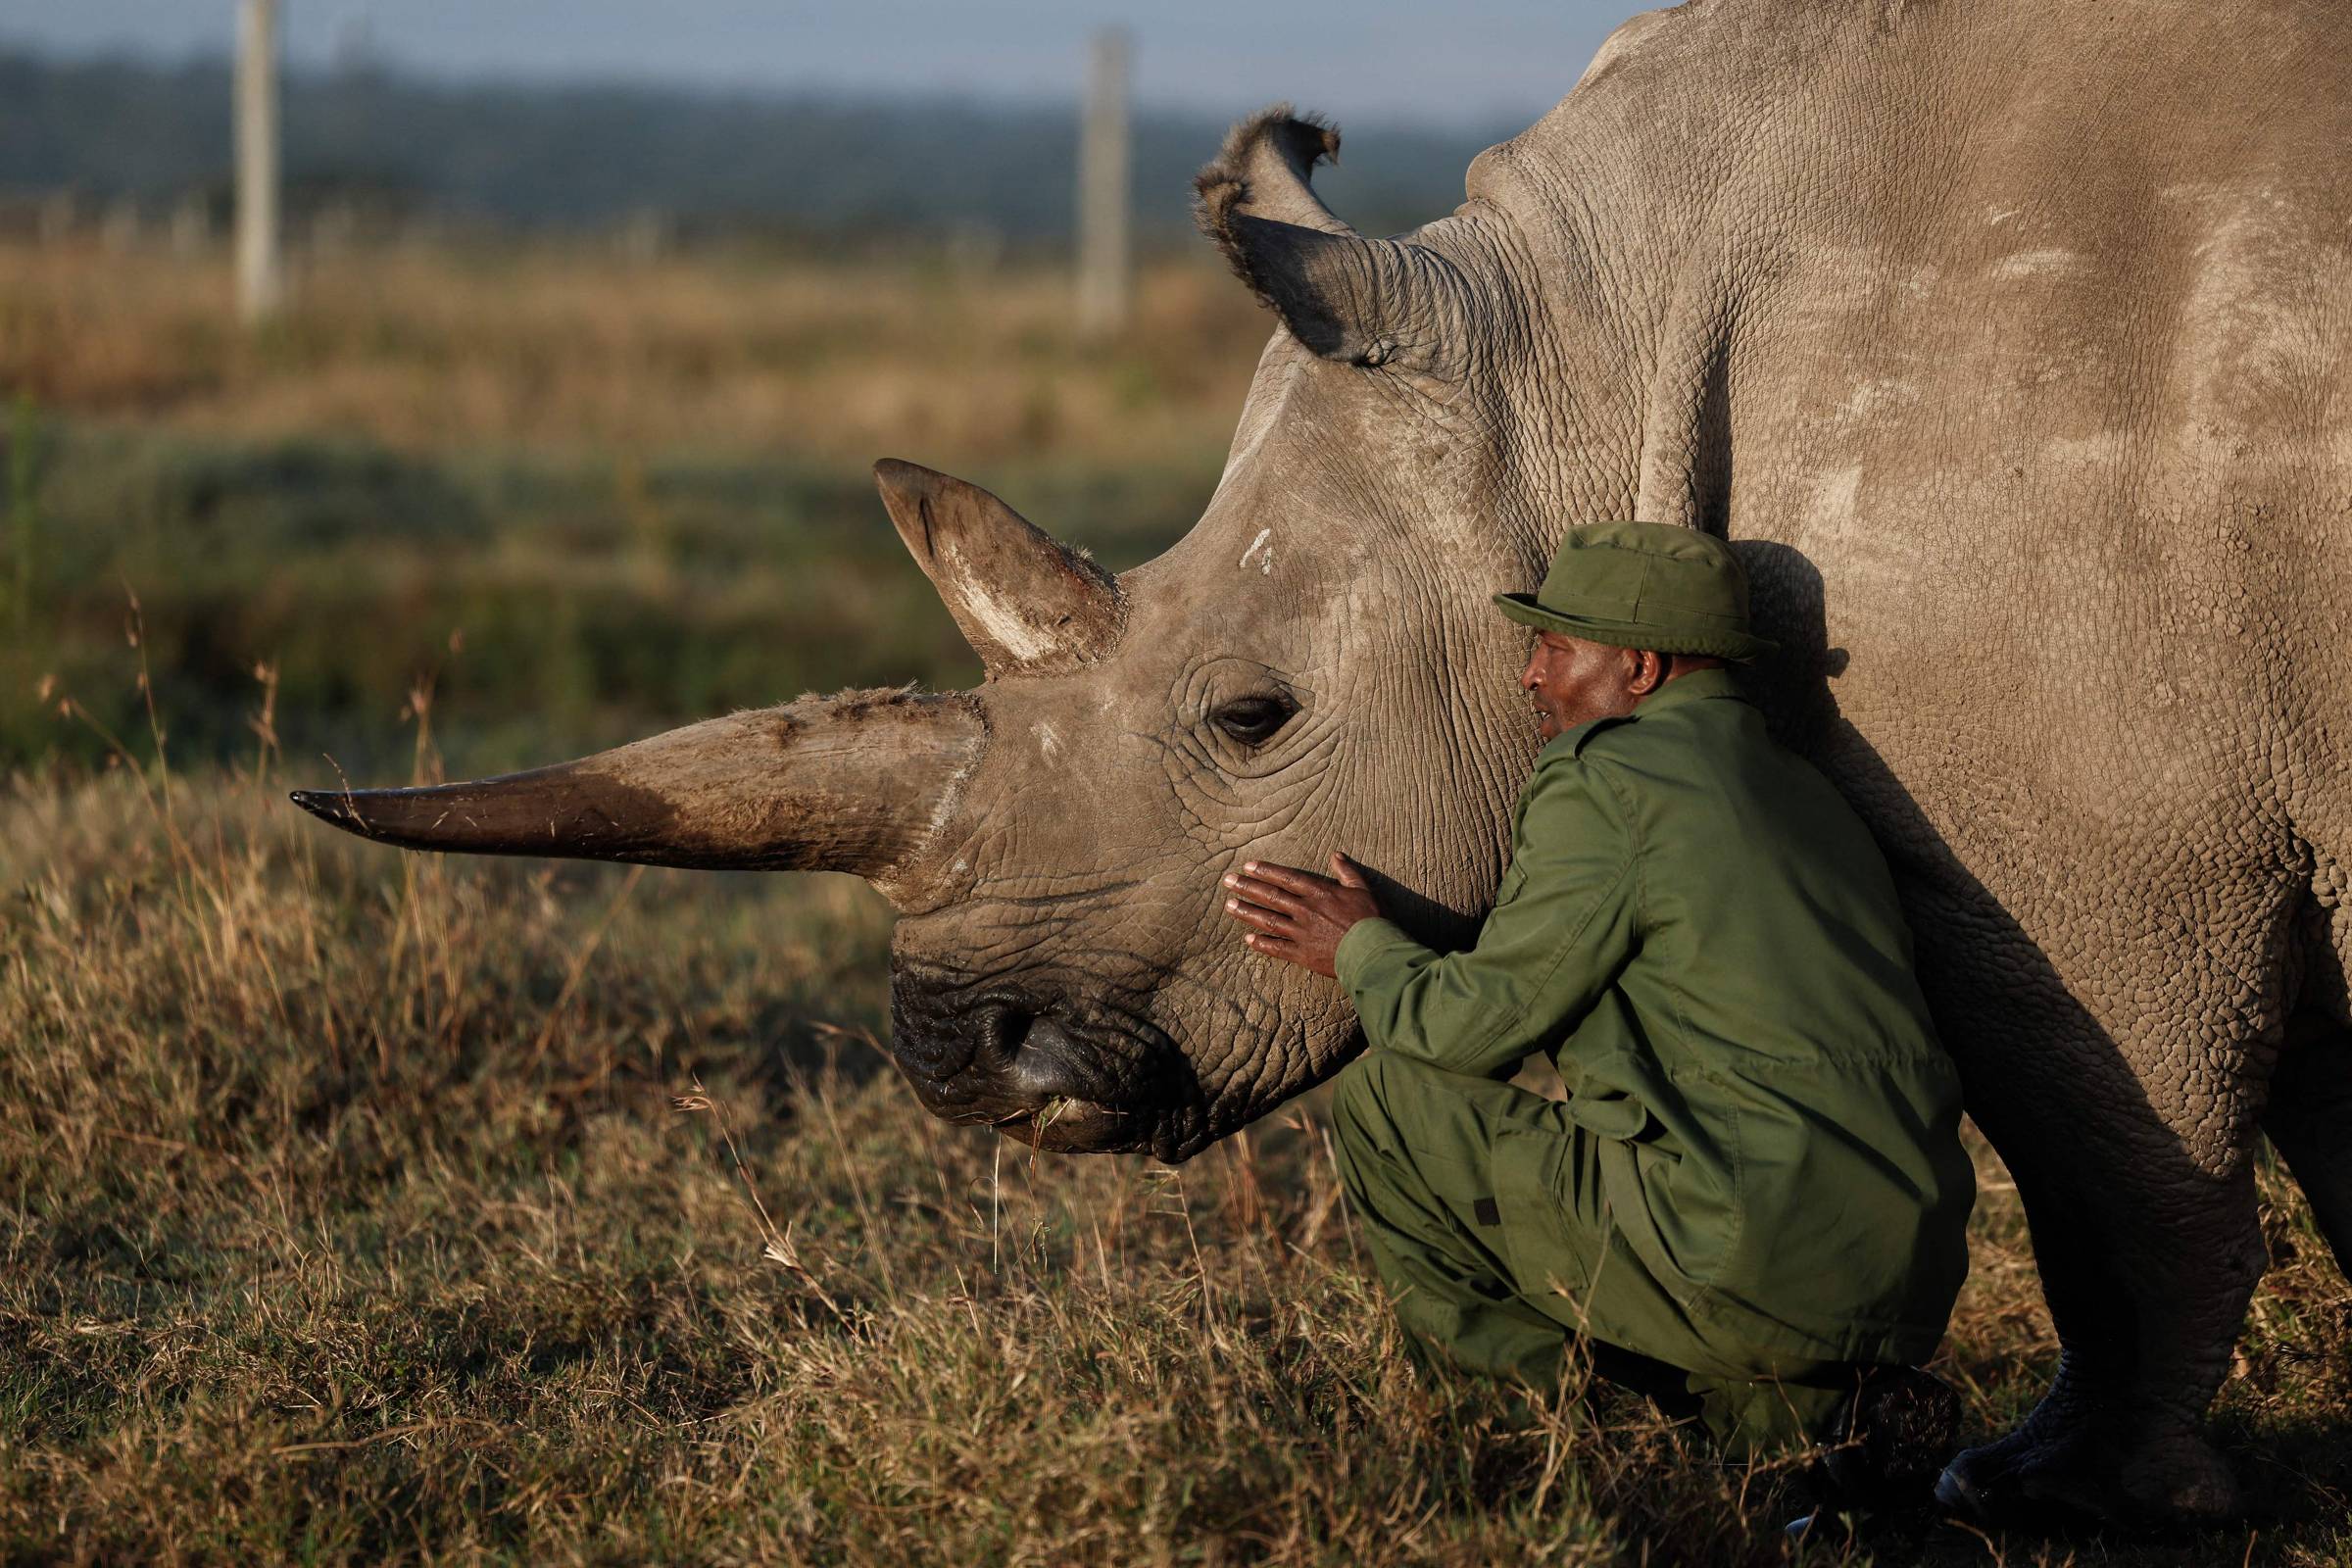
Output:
x,y
1890,1444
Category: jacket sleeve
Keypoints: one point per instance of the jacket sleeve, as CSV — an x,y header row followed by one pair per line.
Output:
x,y
1562,926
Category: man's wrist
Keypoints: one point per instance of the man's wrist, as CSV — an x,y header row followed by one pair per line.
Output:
x,y
1356,945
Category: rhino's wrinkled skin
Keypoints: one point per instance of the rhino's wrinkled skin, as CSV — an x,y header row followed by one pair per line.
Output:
x,y
2008,343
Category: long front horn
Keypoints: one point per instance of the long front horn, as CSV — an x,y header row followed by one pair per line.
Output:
x,y
1027,604
1367,302
856,782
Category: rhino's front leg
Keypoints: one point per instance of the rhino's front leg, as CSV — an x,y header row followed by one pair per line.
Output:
x,y
2129,1149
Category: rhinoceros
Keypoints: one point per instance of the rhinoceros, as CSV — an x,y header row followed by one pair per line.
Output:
x,y
2008,344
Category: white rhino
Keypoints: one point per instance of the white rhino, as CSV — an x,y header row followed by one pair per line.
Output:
x,y
2008,343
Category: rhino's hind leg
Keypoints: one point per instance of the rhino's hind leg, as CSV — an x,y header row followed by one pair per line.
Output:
x,y
2309,1121
2148,1305
2147,1239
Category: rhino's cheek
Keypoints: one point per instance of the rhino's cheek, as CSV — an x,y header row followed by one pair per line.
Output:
x,y
1255,1033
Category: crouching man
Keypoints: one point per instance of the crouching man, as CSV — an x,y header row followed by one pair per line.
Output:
x,y
1751,1204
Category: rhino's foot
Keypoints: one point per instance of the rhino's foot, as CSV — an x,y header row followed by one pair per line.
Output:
x,y
2057,1472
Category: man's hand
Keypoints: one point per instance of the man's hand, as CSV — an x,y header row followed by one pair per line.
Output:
x,y
1300,917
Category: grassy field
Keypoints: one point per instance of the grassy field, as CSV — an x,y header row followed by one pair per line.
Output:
x,y
357,1219
366,1207
575,349
585,499
551,603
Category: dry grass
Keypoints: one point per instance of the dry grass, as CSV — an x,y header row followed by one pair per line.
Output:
x,y
355,1220
546,347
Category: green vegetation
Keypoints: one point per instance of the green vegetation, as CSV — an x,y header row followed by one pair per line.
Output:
x,y
23,517
545,605
565,503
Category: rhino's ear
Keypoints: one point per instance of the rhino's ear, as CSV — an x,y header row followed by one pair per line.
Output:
x,y
1367,302
1027,604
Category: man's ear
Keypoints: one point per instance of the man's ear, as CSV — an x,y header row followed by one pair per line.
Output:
x,y
1644,671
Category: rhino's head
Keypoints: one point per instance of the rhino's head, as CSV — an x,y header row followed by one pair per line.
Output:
x,y
1314,666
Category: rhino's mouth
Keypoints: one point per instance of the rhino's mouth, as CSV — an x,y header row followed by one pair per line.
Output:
x,y
1039,1069
1076,1126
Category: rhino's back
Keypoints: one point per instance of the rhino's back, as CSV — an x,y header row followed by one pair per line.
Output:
x,y
2079,312
2122,221
2012,337
2036,326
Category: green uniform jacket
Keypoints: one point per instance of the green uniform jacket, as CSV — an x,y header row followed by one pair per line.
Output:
x,y
1703,934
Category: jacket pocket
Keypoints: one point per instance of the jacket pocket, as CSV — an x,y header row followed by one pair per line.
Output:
x,y
1550,1246
1683,1217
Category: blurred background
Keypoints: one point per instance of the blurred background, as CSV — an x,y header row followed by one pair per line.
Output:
x,y
526,360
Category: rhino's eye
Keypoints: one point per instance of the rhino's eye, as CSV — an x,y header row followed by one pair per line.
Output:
x,y
1252,720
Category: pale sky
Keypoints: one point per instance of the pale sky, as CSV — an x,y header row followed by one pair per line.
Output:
x,y
1467,62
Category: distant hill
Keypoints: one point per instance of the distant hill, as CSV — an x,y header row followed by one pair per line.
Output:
x,y
540,156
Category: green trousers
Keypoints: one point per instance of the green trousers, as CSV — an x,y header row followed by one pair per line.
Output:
x,y
1484,1209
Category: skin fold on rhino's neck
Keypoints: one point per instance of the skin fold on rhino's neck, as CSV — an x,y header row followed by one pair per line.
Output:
x,y
1631,218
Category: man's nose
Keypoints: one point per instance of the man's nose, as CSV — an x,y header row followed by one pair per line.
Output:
x,y
1529,680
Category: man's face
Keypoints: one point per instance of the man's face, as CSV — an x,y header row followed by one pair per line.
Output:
x,y
1571,681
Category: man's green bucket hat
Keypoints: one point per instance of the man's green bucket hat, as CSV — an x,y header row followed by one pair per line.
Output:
x,y
1643,585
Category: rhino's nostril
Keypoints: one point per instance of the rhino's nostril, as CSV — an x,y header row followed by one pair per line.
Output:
x,y
990,1058
1047,1066
1031,1057
999,1030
